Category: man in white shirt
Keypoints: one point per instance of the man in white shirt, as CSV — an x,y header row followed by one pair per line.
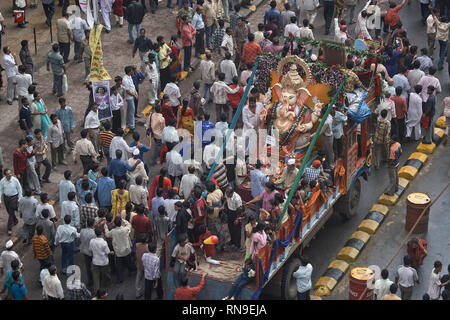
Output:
x,y
387,104
292,28
415,74
152,74
52,286
10,65
22,81
174,164
130,94
100,262
406,277
431,33
170,135
65,236
70,207
340,31
228,67
188,182
227,41
122,245
382,285
92,123
400,80
250,117
220,90
7,257
119,143
305,31
303,278
286,15
210,153
174,94
233,203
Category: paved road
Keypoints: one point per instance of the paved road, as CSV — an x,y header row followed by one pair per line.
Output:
x,y
336,231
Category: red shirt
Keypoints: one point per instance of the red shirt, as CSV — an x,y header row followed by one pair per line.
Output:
x,y
250,52
167,112
208,249
141,223
188,293
20,161
392,18
235,98
400,106
187,34
199,210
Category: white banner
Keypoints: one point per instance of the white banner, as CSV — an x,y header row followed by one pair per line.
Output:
x,y
86,7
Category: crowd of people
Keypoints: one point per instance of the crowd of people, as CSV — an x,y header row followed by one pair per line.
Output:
x,y
117,215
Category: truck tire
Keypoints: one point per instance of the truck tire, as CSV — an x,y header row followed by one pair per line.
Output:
x,y
288,282
348,204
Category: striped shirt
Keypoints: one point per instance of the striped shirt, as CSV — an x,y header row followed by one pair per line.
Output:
x,y
41,248
105,138
220,174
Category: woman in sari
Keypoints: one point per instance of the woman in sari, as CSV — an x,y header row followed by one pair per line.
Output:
x,y
186,117
160,181
417,250
175,65
45,120
119,199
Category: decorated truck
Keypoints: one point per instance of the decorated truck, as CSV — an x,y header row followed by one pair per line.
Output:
x,y
298,95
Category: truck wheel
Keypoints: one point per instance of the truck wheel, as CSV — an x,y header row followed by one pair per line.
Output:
x,y
288,282
348,204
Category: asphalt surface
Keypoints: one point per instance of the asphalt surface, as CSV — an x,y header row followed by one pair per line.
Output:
x,y
336,231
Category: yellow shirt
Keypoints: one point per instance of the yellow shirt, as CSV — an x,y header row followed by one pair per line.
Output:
x,y
119,201
164,51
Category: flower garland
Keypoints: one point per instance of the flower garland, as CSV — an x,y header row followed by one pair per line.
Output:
x,y
331,76
285,137
324,43
267,63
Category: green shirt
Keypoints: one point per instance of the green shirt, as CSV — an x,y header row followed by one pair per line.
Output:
x,y
57,63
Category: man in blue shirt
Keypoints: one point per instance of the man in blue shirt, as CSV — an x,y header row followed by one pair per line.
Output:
x,y
105,185
258,181
85,186
118,168
138,78
272,11
157,202
199,25
142,149
65,115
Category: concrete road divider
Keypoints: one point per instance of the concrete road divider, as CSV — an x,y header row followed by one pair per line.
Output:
x,y
438,136
335,271
440,122
354,245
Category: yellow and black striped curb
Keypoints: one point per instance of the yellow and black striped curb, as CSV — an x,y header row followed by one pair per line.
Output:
x,y
388,200
335,272
354,245
377,214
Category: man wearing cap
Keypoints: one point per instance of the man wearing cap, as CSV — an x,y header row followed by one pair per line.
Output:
x,y
11,191
7,257
288,176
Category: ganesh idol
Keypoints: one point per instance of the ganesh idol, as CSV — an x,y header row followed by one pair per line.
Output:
x,y
290,115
